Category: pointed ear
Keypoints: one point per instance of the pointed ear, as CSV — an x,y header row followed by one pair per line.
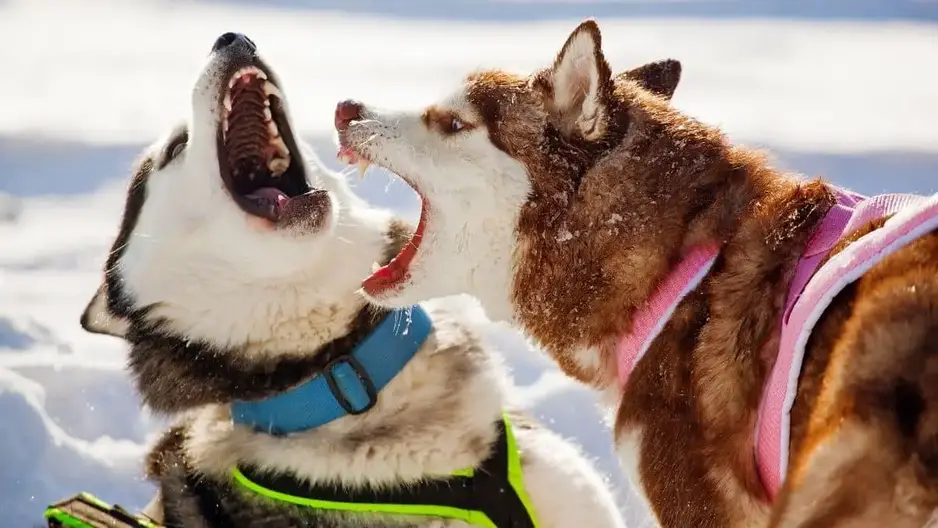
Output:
x,y
581,82
659,77
98,319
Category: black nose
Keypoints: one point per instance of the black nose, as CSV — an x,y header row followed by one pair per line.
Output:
x,y
230,39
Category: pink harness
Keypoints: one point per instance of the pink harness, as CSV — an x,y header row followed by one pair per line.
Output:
x,y
810,293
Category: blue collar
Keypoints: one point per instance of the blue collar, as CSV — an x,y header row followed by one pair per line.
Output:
x,y
349,384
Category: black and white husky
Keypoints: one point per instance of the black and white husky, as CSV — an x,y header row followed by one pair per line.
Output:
x,y
234,279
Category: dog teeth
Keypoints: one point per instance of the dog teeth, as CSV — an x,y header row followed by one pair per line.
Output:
x,y
247,70
281,147
271,89
280,161
375,266
362,167
278,166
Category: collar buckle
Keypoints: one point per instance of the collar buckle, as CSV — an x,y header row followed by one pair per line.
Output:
x,y
341,383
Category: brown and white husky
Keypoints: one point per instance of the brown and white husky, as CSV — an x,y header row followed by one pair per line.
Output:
x,y
659,262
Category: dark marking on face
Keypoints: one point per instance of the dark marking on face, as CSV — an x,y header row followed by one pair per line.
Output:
x,y
174,147
119,303
174,374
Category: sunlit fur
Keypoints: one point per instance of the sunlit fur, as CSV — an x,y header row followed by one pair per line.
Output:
x,y
567,195
196,269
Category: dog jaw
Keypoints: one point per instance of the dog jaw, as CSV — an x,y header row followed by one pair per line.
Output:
x,y
189,256
473,191
476,183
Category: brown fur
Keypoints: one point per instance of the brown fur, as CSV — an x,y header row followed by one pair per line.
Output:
x,y
617,196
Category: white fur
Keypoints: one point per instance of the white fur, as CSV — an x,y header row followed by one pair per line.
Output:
x,y
475,192
629,450
216,275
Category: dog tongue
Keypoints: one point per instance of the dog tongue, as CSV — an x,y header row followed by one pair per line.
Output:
x,y
267,202
269,194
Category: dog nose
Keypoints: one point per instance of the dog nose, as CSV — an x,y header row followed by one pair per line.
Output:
x,y
346,112
230,39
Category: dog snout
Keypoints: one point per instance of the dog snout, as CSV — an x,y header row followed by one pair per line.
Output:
x,y
230,39
346,112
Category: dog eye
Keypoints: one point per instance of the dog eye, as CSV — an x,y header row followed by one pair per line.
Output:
x,y
444,121
456,125
175,148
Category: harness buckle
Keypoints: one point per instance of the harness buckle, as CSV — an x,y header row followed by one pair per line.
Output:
x,y
365,381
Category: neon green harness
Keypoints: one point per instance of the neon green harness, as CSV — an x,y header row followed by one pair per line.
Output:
x,y
87,511
492,496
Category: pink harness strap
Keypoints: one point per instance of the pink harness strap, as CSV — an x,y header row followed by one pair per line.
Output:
x,y
648,322
810,292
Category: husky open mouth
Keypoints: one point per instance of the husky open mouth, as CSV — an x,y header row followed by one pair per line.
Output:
x,y
260,164
397,271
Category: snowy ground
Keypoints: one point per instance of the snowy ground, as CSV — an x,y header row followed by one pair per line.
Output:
x,y
846,90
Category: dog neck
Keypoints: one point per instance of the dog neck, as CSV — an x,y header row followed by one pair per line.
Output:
x,y
175,372
673,190
649,320
347,384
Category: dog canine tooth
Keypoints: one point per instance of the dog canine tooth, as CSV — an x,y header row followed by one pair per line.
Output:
x,y
227,101
267,115
375,266
362,167
271,89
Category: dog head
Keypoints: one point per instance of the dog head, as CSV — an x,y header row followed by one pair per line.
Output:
x,y
482,155
229,227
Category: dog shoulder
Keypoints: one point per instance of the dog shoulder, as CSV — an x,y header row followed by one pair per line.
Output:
x,y
864,424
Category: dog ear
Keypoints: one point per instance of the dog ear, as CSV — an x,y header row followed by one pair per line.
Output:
x,y
581,82
98,318
659,77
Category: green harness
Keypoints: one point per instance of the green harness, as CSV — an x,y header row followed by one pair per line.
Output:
x,y
492,496
87,511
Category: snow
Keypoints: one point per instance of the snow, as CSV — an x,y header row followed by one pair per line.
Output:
x,y
845,91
